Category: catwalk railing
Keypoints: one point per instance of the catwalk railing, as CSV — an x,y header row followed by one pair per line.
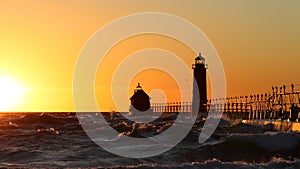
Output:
x,y
280,102
172,107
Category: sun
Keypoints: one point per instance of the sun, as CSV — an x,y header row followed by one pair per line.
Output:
x,y
11,93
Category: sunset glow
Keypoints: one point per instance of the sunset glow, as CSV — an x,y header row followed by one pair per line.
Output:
x,y
11,94
257,41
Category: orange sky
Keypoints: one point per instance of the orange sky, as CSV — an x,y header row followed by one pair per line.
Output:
x,y
257,41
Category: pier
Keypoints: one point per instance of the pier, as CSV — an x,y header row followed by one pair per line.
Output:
x,y
282,102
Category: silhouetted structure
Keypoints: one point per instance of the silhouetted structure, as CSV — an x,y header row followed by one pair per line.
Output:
x,y
199,84
280,103
140,100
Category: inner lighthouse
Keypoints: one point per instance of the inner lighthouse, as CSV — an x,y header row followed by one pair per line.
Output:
x,y
140,100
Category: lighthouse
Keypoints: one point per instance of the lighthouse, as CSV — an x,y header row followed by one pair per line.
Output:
x,y
140,100
199,85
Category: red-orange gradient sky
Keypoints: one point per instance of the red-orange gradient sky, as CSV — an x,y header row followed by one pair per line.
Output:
x,y
257,41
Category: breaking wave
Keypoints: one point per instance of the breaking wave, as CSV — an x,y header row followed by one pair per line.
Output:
x,y
58,140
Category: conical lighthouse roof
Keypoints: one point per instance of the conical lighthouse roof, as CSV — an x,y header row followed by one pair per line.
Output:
x,y
139,93
199,57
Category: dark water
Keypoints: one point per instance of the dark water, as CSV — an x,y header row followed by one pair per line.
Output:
x,y
58,141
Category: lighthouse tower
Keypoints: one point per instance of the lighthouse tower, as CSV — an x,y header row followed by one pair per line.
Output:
x,y
199,85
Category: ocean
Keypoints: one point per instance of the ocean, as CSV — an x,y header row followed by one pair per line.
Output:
x,y
57,140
